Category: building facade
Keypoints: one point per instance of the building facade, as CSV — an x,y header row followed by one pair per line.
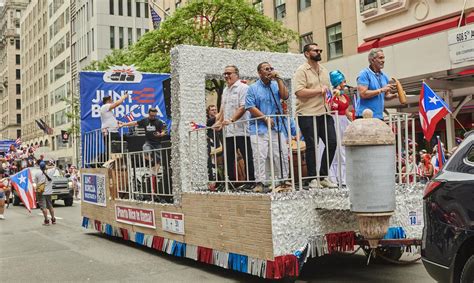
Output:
x,y
10,68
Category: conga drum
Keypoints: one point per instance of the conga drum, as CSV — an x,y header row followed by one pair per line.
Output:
x,y
294,149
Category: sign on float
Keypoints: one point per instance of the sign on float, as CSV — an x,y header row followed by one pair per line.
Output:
x,y
172,222
461,44
135,216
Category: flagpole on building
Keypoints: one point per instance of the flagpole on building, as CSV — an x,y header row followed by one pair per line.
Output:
x,y
159,7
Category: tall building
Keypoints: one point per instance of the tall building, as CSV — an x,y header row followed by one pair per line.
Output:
x,y
10,68
331,24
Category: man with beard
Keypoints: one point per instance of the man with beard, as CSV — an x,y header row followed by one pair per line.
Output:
x,y
373,86
311,86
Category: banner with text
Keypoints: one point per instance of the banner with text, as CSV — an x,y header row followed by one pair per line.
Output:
x,y
93,189
135,216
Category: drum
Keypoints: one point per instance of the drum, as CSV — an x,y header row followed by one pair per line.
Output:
x,y
304,168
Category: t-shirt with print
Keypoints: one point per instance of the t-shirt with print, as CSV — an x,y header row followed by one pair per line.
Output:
x,y
151,127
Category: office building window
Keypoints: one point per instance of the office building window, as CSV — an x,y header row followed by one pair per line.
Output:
x,y
280,9
17,59
18,118
367,4
258,5
18,89
92,38
305,39
120,37
112,37
18,74
147,12
303,4
111,7
17,44
18,133
137,9
139,33
18,104
120,7
130,36
129,8
334,41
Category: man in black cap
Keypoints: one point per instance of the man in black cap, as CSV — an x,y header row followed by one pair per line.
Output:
x,y
155,129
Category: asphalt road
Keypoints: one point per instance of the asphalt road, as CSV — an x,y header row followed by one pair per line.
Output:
x,y
30,252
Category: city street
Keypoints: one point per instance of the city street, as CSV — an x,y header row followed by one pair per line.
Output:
x,y
31,252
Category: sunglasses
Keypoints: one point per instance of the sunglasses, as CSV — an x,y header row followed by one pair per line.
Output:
x,y
227,74
269,69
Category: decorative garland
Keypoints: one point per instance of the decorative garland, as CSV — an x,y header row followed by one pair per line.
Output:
x,y
280,267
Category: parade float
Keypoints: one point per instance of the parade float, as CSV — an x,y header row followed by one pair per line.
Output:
x,y
270,235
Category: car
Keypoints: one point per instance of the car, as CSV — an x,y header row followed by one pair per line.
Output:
x,y
62,189
448,206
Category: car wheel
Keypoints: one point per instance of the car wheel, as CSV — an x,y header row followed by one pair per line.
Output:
x,y
68,201
467,274
16,201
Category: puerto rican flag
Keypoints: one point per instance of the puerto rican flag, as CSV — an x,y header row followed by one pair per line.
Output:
x,y
328,97
23,184
18,141
432,110
440,157
195,126
130,117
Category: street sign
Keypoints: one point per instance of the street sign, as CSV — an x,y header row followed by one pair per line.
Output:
x,y
461,44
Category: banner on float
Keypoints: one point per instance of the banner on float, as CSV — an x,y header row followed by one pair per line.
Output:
x,y
93,189
144,91
135,216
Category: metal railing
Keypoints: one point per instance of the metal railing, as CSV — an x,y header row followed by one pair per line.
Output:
x,y
404,129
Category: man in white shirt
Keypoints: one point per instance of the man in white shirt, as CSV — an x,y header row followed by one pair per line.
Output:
x,y
45,176
107,118
231,115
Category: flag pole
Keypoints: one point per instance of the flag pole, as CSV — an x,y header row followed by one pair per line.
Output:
x,y
456,119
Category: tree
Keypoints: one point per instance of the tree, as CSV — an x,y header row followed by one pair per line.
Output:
x,y
231,24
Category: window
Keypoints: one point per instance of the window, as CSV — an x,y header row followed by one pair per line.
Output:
x,y
18,118
305,39
139,33
18,104
120,7
280,9
111,7
18,74
383,2
59,70
18,89
112,37
17,44
129,8
138,6
334,41
92,39
130,36
17,59
92,8
120,37
18,133
258,5
147,12
367,4
303,4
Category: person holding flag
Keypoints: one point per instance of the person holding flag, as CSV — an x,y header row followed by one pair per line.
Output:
x,y
22,182
44,187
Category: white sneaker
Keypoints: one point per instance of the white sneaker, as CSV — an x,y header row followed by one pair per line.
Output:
x,y
325,183
2,217
314,184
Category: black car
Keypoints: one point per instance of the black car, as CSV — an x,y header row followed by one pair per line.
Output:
x,y
448,235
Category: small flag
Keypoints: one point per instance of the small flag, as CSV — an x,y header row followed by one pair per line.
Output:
x,y
155,18
22,182
328,97
440,157
432,109
18,141
195,126
130,117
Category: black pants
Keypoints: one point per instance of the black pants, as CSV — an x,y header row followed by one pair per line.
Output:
x,y
322,123
246,154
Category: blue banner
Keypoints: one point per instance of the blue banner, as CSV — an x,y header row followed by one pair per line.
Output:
x,y
142,96
93,189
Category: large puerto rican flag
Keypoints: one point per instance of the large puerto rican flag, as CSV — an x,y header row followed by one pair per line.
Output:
x,y
23,184
432,110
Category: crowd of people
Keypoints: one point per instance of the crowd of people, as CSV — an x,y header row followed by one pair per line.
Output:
x,y
319,93
18,158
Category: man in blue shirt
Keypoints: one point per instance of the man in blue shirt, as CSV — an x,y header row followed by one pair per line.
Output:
x,y
373,86
263,102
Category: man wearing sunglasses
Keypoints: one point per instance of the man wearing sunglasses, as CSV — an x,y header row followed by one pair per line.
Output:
x,y
263,102
311,86
231,116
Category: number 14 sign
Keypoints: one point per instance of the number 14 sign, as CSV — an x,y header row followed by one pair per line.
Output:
x,y
172,222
